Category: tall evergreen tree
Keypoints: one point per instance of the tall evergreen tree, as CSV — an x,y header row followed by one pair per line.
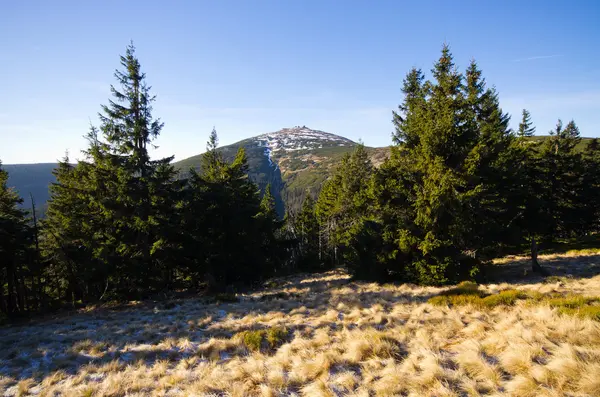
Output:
x,y
64,235
344,203
122,201
15,244
306,228
591,186
453,140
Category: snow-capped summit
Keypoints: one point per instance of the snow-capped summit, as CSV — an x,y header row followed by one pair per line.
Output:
x,y
300,138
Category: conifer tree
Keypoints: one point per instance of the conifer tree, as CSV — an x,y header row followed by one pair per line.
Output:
x,y
63,243
343,204
213,164
561,168
453,140
306,229
15,244
591,186
526,128
127,195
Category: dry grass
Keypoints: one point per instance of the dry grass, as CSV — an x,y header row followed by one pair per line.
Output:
x,y
322,335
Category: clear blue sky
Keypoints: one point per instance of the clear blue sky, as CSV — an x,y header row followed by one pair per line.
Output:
x,y
253,66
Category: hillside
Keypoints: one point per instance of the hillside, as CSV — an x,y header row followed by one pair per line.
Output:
x,y
325,335
293,160
33,179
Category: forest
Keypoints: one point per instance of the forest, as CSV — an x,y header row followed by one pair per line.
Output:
x,y
460,188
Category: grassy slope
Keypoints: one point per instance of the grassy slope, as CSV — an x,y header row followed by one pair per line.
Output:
x,y
321,335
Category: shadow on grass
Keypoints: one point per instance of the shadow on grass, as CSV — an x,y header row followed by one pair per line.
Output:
x,y
147,333
518,270
39,349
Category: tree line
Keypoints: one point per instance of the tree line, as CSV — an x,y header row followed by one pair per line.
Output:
x,y
459,187
120,225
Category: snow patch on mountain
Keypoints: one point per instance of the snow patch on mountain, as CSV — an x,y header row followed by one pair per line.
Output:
x,y
299,138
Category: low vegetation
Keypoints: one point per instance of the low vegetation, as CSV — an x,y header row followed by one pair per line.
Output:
x,y
335,337
470,294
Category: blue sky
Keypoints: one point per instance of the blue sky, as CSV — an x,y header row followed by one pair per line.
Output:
x,y
255,66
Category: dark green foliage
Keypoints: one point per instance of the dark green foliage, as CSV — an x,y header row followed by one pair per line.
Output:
x,y
306,232
120,200
469,294
230,233
458,188
18,271
122,225
344,205
441,193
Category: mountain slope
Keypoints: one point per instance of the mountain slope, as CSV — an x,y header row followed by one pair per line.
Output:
x,y
293,160
31,179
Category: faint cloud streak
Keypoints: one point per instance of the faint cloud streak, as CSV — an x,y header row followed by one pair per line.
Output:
x,y
537,57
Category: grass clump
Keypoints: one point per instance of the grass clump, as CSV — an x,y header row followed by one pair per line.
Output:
x,y
505,298
468,293
464,288
591,312
88,346
577,305
261,339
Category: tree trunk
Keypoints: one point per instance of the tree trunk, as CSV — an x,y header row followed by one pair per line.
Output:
x,y
535,266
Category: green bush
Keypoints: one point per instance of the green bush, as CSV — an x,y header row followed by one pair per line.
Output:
x,y
571,301
455,300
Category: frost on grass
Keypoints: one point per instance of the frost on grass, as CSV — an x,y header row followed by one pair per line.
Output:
x,y
323,335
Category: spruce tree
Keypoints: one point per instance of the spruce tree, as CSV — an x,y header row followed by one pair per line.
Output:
x,y
306,228
591,186
453,142
526,129
15,245
344,205
64,239
127,191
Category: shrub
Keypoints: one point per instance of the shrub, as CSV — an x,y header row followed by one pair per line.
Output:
x,y
571,301
253,339
455,300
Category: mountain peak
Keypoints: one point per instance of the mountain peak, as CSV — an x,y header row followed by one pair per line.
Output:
x,y
300,138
